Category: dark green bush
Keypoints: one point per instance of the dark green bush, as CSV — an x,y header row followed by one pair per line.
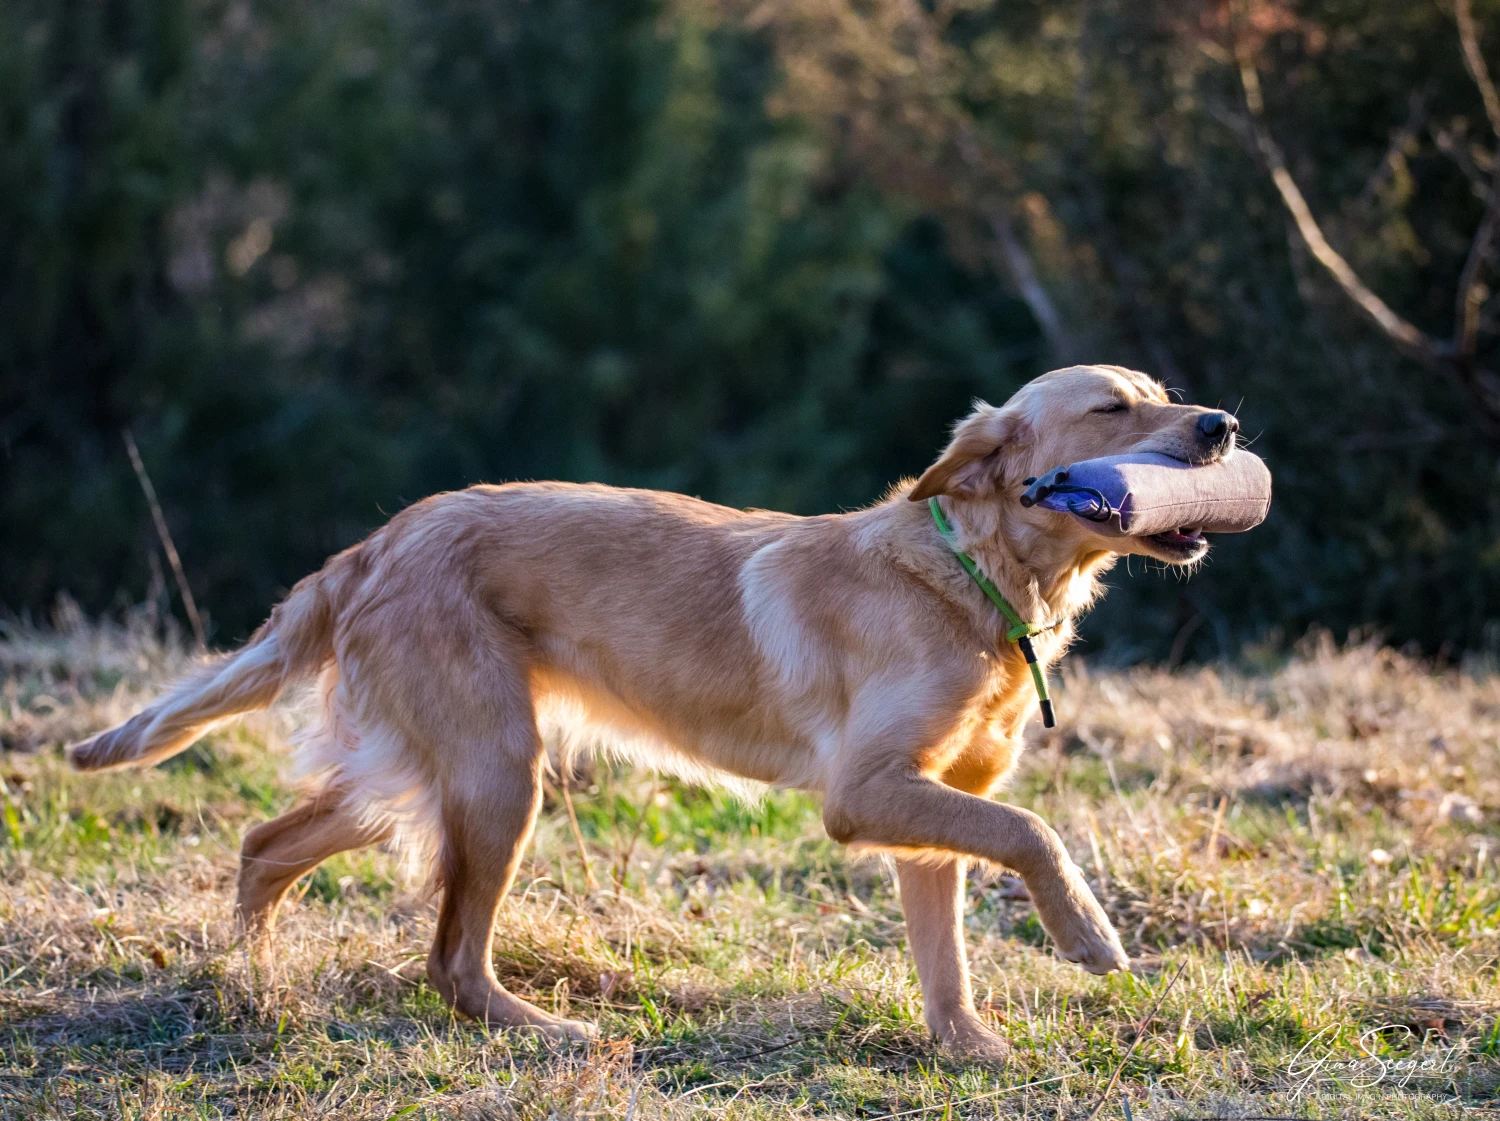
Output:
x,y
326,259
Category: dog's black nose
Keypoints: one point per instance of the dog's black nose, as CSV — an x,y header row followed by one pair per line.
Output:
x,y
1217,427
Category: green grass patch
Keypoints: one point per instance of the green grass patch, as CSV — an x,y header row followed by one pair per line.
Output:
x,y
1324,882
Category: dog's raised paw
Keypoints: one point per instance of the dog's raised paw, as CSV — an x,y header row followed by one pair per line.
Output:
x,y
1095,946
1112,960
1082,931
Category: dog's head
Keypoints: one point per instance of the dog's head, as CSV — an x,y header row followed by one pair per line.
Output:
x,y
1083,412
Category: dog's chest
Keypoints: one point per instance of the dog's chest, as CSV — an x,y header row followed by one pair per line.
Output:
x,y
997,712
986,741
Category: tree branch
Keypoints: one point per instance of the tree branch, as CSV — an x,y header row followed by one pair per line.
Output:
x,y
1023,273
1471,293
1449,145
1403,136
1455,357
887,85
1404,333
1013,256
1468,37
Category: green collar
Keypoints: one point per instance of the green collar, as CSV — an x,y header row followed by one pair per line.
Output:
x,y
1020,632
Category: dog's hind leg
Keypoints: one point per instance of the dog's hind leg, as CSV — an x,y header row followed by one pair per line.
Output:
x,y
275,854
491,792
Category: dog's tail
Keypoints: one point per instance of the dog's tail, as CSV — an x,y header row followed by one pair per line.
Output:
x,y
294,643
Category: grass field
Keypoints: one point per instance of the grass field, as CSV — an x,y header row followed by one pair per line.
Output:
x,y
1300,852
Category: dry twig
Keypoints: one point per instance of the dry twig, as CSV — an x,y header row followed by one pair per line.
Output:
x,y
1140,1030
583,852
166,540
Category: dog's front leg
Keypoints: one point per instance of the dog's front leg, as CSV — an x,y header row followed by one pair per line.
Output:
x,y
909,811
879,798
932,896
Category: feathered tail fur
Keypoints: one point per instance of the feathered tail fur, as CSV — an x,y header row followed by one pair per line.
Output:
x,y
294,643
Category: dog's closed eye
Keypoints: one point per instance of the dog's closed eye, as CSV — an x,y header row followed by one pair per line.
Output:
x,y
1113,407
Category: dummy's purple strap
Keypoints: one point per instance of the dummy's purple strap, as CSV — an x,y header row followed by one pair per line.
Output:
x,y
1139,495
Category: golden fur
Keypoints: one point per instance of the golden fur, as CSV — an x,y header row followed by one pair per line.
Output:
x,y
846,654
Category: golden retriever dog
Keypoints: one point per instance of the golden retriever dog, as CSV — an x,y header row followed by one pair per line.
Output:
x,y
847,654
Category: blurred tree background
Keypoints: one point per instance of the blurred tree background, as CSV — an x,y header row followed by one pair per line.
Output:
x,y
325,259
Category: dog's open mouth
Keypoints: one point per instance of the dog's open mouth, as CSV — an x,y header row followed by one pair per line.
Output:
x,y
1179,545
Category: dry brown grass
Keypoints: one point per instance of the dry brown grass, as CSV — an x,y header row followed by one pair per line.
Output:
x,y
1308,839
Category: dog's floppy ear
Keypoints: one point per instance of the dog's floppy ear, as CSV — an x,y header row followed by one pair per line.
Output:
x,y
978,459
